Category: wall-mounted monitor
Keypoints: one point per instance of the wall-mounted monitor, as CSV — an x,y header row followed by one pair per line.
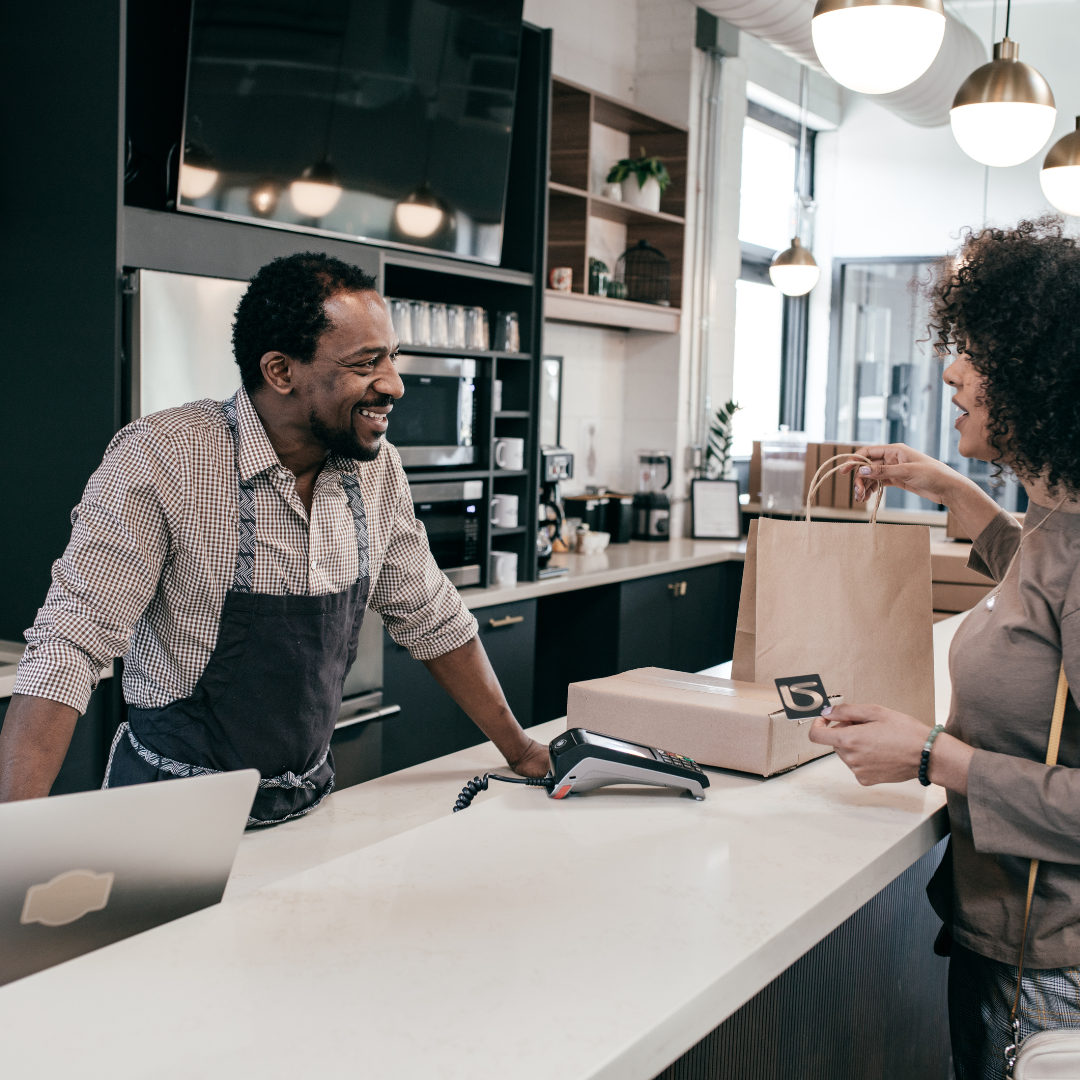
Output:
x,y
381,120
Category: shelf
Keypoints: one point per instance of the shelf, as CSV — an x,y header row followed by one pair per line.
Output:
x,y
498,474
604,311
499,531
613,210
416,474
513,414
453,350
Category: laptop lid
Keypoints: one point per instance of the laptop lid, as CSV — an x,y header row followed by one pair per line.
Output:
x,y
81,871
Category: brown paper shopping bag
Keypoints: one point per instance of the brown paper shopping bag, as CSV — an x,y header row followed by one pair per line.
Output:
x,y
849,601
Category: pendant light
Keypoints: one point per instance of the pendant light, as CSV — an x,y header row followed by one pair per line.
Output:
x,y
794,271
317,191
1004,111
877,46
1060,176
421,213
197,173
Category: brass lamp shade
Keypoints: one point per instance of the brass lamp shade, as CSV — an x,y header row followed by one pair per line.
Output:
x,y
1060,175
1004,111
794,271
877,46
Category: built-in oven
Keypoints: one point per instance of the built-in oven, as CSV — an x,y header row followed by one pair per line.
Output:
x,y
433,424
452,513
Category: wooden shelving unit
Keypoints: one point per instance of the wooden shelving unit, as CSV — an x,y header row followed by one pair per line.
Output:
x,y
575,202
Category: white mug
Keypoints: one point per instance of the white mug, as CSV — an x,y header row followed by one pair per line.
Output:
x,y
503,567
510,453
504,511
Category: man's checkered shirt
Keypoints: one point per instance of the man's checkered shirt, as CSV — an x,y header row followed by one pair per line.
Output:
x,y
153,552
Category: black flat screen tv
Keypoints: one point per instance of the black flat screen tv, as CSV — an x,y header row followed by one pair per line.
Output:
x,y
381,120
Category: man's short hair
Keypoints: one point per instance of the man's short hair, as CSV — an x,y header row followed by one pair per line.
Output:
x,y
282,310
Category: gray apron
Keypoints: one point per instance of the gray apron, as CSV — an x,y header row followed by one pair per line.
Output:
x,y
270,694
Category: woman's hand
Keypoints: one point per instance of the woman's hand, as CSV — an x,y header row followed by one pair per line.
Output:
x,y
882,746
897,465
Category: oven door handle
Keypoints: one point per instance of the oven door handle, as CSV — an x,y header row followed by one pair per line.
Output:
x,y
510,620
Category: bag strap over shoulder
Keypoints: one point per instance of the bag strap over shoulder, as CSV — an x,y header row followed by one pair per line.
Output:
x,y
1053,745
819,479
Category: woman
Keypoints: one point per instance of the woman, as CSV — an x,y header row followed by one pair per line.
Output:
x,y
1009,307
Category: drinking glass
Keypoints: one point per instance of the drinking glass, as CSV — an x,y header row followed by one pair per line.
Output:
x,y
440,331
455,318
421,322
476,328
507,332
401,316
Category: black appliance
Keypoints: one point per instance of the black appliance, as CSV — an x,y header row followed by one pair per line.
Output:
x,y
433,425
451,514
556,465
373,119
652,507
619,522
590,509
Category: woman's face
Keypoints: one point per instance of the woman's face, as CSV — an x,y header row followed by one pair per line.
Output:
x,y
969,399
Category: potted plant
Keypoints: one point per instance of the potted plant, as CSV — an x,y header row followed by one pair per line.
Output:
x,y
718,462
652,180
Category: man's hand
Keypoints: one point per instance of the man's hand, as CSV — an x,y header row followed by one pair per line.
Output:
x,y
534,762
882,746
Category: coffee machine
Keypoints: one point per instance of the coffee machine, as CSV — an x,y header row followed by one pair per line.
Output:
x,y
556,465
652,507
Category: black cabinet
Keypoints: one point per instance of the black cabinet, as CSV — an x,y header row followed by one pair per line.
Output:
x,y
684,621
430,723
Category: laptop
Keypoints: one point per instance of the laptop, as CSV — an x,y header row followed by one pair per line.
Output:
x,y
84,870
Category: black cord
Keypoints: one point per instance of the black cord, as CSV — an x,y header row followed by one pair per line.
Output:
x,y
1008,13
476,785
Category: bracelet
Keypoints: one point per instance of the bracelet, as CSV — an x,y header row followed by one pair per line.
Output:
x,y
924,761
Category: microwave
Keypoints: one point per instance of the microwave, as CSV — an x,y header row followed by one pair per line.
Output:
x,y
451,514
433,424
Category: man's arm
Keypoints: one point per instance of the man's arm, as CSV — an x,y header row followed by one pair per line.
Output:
x,y
465,674
33,742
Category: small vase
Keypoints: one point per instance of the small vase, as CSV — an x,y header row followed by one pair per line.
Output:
x,y
612,191
646,197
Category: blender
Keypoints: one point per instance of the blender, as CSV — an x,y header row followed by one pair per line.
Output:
x,y
652,507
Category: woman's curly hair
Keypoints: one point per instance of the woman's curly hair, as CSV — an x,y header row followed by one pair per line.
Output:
x,y
1010,299
283,311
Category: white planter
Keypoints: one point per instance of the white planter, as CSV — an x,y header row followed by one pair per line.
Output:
x,y
646,198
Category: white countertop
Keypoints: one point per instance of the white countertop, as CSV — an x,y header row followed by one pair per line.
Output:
x,y
619,562
601,936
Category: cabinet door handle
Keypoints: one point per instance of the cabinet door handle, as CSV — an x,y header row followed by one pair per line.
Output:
x,y
508,621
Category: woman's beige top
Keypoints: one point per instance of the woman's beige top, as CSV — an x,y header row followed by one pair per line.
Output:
x,y
1004,666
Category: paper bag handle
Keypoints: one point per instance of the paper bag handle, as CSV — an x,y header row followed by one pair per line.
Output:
x,y
819,479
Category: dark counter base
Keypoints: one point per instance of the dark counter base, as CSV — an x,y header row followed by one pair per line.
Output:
x,y
868,1002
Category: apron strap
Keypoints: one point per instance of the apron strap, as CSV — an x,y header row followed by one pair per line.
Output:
x,y
244,575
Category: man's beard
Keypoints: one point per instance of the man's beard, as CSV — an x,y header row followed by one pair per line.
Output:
x,y
343,441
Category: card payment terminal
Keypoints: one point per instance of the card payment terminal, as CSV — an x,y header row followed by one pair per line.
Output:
x,y
583,760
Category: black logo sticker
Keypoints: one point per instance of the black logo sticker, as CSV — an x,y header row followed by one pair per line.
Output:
x,y
803,696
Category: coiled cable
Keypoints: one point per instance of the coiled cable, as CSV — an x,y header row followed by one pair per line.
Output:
x,y
476,785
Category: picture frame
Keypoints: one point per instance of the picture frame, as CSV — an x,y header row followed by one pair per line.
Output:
x,y
715,509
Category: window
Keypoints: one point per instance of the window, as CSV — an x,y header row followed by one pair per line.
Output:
x,y
770,329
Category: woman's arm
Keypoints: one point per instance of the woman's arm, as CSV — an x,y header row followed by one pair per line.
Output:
x,y
882,746
897,465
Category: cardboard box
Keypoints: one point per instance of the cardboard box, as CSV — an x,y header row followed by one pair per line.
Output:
x,y
719,722
755,474
951,597
844,489
808,473
955,531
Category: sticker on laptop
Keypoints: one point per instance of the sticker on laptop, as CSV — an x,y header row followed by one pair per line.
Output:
x,y
803,696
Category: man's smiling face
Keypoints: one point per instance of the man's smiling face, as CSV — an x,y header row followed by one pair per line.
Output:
x,y
351,383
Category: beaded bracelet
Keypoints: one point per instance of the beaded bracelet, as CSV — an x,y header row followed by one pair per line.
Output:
x,y
924,761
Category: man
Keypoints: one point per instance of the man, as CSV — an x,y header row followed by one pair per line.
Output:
x,y
228,551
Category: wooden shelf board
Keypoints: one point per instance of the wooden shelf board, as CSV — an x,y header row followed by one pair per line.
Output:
x,y
604,311
600,206
497,530
453,350
513,414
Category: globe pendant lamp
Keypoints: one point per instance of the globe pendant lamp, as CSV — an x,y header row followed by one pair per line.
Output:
x,y
197,173
794,271
1004,111
1060,176
877,46
317,191
420,214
